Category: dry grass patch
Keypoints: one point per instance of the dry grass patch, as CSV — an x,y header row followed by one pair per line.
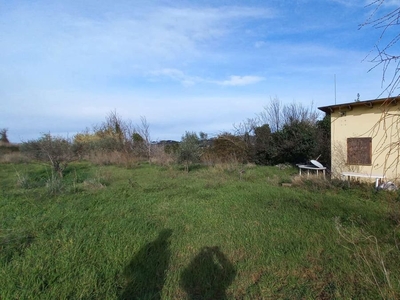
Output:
x,y
14,157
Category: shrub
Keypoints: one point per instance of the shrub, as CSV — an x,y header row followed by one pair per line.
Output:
x,y
57,151
228,147
189,149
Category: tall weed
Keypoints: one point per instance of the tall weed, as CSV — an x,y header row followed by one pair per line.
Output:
x,y
371,259
54,185
22,180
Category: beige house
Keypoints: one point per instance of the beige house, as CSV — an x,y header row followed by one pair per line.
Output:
x,y
365,137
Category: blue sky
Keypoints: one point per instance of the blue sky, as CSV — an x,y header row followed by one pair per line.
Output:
x,y
184,65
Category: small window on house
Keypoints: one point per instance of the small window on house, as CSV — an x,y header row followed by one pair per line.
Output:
x,y
359,151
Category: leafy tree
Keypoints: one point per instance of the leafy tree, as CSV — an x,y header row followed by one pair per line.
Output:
x,y
263,144
57,151
84,143
203,136
228,147
109,136
137,138
170,147
287,133
113,133
189,149
117,136
295,143
323,137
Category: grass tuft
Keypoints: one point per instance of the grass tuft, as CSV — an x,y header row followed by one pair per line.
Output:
x,y
54,185
23,180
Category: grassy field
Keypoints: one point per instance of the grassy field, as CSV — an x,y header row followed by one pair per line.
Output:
x,y
152,232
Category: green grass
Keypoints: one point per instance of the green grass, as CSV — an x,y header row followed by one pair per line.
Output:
x,y
158,233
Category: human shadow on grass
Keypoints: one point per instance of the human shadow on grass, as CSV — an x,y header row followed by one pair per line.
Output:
x,y
145,274
208,276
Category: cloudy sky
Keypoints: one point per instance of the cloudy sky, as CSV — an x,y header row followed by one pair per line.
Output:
x,y
185,65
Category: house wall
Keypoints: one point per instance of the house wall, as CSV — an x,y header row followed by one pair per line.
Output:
x,y
382,124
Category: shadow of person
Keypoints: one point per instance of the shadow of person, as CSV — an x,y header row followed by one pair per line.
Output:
x,y
208,276
145,274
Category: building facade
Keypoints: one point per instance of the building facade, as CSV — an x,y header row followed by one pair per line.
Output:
x,y
365,137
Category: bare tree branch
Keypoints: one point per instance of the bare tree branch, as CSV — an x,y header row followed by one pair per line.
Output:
x,y
388,38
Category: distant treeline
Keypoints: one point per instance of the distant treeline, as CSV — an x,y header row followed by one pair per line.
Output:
x,y
280,134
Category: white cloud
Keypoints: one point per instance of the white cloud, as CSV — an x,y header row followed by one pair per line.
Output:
x,y
160,33
186,80
177,75
52,47
241,80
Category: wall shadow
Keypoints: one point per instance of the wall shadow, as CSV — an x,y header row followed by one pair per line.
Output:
x,y
145,274
208,276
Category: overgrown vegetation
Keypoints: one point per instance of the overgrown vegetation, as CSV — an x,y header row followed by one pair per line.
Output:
x,y
288,133
224,231
57,151
189,150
